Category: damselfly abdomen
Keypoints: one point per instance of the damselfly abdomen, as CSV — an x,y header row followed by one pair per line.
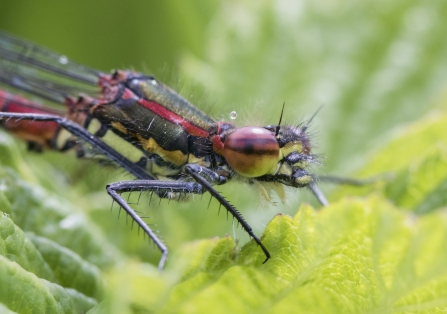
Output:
x,y
182,151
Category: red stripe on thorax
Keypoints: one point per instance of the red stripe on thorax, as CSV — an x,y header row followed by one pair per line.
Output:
x,y
218,145
174,118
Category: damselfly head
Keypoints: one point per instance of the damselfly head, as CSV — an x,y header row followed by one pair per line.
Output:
x,y
271,153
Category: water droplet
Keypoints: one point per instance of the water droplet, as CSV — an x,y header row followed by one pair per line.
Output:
x,y
233,115
63,60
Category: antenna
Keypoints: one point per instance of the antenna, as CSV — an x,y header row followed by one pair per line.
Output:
x,y
311,118
280,119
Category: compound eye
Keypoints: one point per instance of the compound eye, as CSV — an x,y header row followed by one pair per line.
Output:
x,y
252,151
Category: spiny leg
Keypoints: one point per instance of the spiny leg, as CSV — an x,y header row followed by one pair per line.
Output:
x,y
204,176
342,181
354,182
86,136
318,194
159,187
134,169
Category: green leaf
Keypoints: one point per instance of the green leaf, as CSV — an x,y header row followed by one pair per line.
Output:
x,y
24,278
37,274
43,213
355,256
69,268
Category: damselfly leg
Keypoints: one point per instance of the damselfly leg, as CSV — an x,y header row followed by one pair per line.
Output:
x,y
83,134
166,187
204,178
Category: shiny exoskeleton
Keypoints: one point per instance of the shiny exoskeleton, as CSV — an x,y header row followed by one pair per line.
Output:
x,y
181,149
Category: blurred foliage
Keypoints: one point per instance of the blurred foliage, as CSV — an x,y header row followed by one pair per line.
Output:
x,y
375,66
112,34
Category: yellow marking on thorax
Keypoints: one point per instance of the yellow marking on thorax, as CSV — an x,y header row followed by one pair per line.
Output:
x,y
292,147
119,127
285,169
199,161
175,157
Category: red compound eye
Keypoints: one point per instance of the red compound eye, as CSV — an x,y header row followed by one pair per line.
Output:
x,y
252,151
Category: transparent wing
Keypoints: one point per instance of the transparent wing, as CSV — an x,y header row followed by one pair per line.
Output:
x,y
42,72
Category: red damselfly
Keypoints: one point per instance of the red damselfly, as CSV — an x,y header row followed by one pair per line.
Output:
x,y
182,151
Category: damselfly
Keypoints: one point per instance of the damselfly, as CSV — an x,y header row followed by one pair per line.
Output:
x,y
182,150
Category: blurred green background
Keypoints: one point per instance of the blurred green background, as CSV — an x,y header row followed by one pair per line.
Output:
x,y
375,66
110,34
